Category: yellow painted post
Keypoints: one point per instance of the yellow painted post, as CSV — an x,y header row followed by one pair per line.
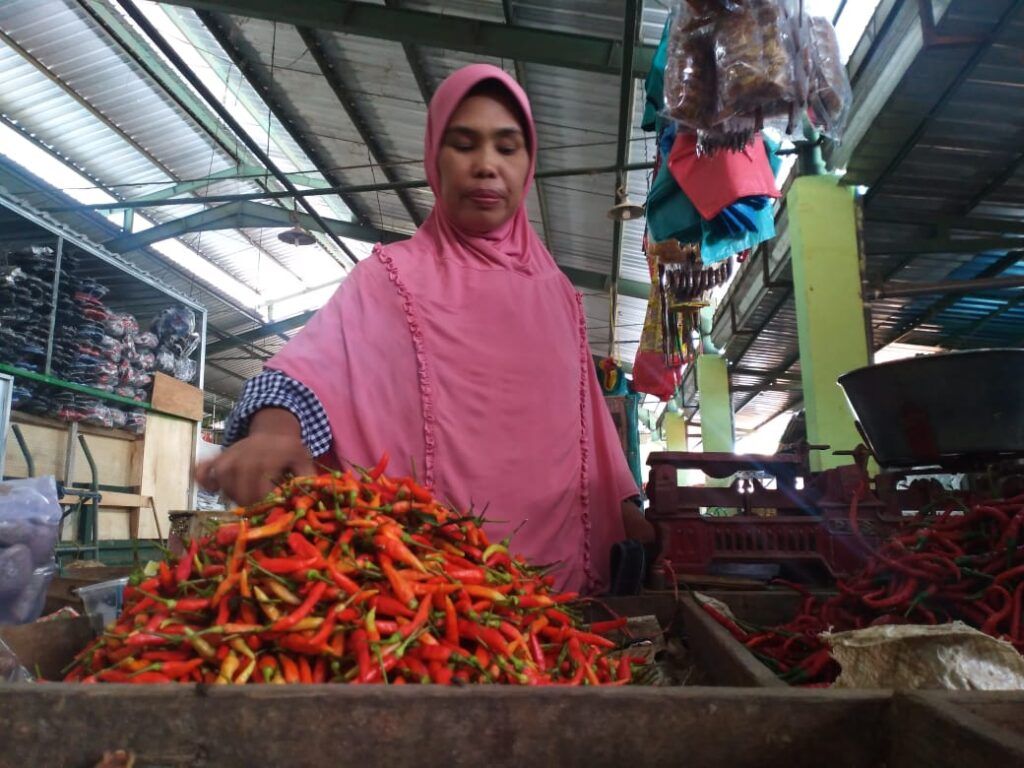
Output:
x,y
716,424
829,308
676,440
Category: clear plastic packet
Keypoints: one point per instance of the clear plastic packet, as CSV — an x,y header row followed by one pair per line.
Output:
x,y
147,340
29,525
690,85
185,369
136,421
755,61
11,670
118,418
830,95
98,415
165,361
174,321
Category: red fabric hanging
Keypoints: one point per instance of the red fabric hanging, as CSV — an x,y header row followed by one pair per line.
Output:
x,y
714,182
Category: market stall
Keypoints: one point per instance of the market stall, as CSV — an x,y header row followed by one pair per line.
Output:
x,y
96,399
503,582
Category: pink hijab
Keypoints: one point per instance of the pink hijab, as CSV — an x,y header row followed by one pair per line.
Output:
x,y
466,358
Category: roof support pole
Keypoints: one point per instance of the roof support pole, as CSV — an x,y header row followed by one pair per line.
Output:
x,y
716,420
829,308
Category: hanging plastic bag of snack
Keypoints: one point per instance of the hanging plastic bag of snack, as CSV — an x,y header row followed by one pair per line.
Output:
x,y
830,96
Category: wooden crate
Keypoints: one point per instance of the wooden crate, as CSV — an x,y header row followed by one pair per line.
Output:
x,y
987,724
177,398
56,724
156,467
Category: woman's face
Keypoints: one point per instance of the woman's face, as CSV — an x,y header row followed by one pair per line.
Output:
x,y
483,165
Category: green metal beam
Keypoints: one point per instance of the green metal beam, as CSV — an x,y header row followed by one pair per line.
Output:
x,y
214,103
244,215
824,233
440,30
136,47
260,332
580,278
627,94
240,173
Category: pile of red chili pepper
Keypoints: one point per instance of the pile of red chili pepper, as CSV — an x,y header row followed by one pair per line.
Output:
x,y
946,567
351,577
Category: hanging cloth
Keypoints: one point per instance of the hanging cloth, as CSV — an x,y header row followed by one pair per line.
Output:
x,y
716,181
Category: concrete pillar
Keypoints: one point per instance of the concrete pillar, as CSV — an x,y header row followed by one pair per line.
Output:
x,y
716,422
829,308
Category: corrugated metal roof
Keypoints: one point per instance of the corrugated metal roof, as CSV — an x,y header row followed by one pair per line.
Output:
x,y
576,113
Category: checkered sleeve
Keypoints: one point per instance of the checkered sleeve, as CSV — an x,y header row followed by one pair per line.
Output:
x,y
273,389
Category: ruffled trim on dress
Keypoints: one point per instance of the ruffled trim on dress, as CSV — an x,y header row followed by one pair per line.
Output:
x,y
422,370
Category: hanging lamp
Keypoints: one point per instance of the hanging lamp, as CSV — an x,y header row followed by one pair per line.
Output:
x,y
296,235
624,208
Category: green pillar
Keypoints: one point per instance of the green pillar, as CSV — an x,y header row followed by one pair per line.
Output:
x,y
716,426
829,308
675,427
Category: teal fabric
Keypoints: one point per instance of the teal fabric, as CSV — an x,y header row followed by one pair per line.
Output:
x,y
714,249
670,214
771,147
655,84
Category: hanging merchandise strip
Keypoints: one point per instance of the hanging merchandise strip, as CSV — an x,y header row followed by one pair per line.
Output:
x,y
734,68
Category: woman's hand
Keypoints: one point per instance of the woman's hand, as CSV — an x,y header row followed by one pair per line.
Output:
x,y
637,526
249,469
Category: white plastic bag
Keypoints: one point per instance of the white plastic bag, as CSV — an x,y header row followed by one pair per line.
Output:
x,y
29,525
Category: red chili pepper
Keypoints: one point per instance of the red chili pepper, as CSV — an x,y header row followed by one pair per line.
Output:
x,y
286,622
603,627
183,571
289,668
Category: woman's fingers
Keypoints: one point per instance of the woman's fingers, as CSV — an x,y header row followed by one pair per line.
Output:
x,y
303,464
206,475
248,470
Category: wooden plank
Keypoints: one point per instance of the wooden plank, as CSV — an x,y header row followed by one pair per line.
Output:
x,y
1004,709
50,649
47,442
713,648
177,398
423,726
126,500
86,429
166,470
930,730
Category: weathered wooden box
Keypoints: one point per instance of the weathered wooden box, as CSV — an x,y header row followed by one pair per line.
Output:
x,y
56,724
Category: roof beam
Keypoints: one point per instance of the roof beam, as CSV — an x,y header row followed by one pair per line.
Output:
x,y
627,94
334,74
260,332
981,322
247,60
581,278
416,63
937,307
245,215
239,173
555,173
973,245
224,113
441,30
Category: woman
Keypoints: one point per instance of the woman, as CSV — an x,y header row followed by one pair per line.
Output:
x,y
461,352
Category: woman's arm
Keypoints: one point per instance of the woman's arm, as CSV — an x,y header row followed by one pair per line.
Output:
x,y
276,429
